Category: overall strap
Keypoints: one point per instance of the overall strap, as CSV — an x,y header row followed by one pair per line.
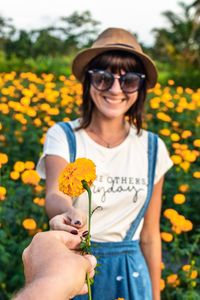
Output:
x,y
70,138
152,156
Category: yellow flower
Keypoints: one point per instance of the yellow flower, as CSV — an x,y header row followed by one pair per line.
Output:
x,y
183,188
175,137
14,175
164,117
162,284
179,198
194,274
196,143
3,159
186,268
19,166
173,280
29,224
176,159
2,193
196,174
30,177
70,180
166,236
29,165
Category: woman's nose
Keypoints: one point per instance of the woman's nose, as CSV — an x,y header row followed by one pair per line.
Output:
x,y
115,88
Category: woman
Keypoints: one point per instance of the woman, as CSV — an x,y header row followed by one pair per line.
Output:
x,y
131,163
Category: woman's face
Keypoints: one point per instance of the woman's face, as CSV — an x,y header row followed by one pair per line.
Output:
x,y
113,103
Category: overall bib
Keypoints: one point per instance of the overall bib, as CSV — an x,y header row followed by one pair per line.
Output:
x,y
122,271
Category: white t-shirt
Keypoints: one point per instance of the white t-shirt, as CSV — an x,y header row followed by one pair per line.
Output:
x,y
121,185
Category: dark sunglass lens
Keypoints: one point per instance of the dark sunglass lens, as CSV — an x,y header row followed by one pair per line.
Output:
x,y
131,82
102,80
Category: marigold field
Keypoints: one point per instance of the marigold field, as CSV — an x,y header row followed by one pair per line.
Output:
x,y
29,105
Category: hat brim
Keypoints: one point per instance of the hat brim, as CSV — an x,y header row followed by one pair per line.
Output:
x,y
85,56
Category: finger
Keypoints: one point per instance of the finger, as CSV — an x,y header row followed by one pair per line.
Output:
x,y
71,241
78,219
92,262
61,226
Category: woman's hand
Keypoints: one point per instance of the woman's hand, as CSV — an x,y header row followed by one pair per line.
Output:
x,y
73,221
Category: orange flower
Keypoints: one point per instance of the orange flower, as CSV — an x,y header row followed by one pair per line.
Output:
x,y
166,236
70,180
2,193
19,166
179,198
30,177
162,284
29,224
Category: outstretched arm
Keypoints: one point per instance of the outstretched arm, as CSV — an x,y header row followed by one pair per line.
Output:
x,y
52,270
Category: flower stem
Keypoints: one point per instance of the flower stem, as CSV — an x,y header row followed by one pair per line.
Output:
x,y
85,185
89,287
88,244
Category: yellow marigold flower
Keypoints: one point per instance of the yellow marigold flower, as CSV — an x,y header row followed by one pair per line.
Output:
x,y
170,213
162,265
194,274
3,159
165,132
14,175
175,137
189,155
19,166
186,268
172,279
166,236
186,134
39,201
164,117
30,177
196,143
162,284
196,174
38,188
185,165
183,188
29,224
187,226
179,90
171,82
177,159
29,165
70,180
2,193
179,198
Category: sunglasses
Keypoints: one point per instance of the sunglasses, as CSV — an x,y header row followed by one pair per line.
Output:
x,y
103,80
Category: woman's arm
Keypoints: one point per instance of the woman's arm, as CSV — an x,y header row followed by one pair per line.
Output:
x,y
56,201
58,205
150,238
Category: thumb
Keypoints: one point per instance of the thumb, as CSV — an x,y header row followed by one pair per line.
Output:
x,y
92,262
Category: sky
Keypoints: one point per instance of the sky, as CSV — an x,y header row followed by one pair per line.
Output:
x,y
139,16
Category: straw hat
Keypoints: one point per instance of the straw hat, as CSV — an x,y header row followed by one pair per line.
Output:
x,y
114,39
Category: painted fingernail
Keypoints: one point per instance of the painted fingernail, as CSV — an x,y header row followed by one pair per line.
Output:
x,y
74,232
77,222
85,233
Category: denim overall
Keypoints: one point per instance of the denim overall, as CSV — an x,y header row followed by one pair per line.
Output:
x,y
122,270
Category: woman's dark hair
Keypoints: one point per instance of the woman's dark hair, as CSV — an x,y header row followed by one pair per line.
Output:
x,y
115,61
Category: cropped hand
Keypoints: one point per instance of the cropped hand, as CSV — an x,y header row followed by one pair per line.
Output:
x,y
73,221
52,270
